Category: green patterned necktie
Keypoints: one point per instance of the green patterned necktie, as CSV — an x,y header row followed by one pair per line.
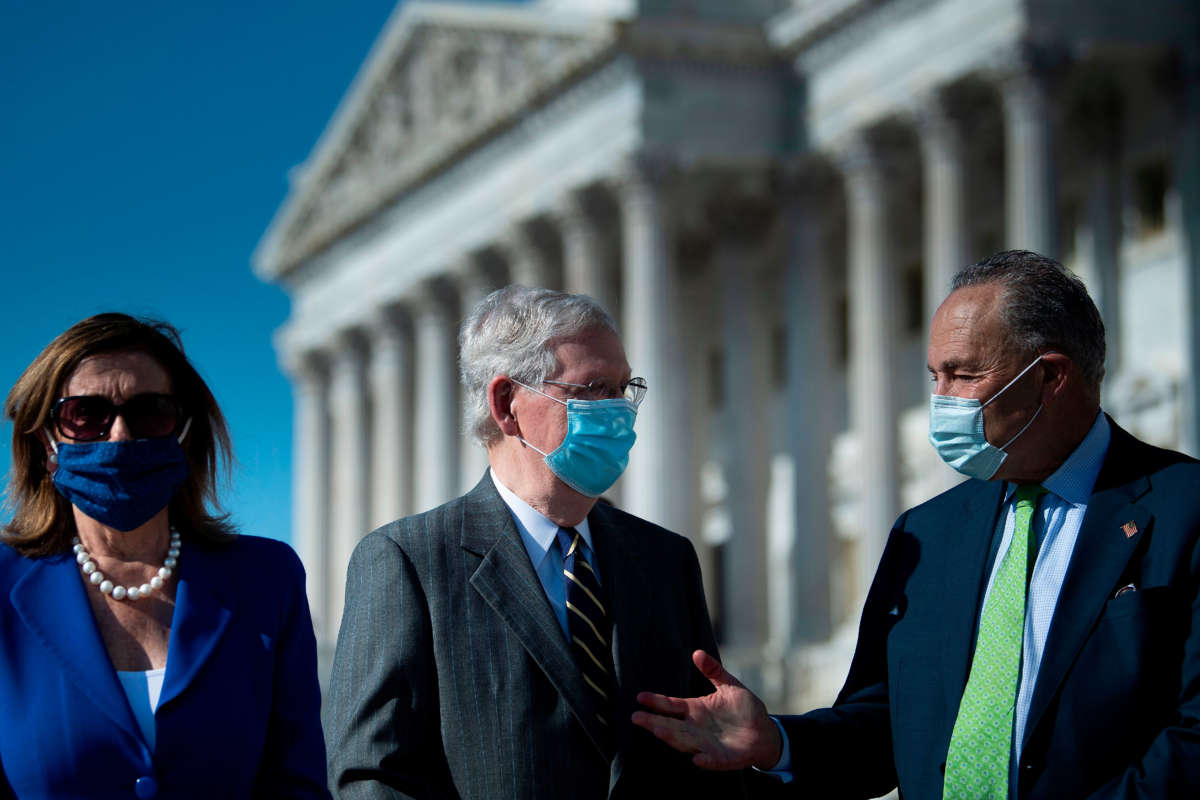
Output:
x,y
978,761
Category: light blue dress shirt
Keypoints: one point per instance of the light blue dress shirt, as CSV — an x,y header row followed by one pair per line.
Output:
x,y
540,535
1056,527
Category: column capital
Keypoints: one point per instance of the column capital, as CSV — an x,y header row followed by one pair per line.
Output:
x,y
307,365
347,351
529,247
938,123
645,168
858,158
387,325
1025,61
575,206
432,296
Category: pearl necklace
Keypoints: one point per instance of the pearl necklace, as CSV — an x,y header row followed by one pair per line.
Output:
x,y
96,577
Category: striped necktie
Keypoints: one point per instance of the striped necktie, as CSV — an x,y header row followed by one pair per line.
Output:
x,y
588,622
977,765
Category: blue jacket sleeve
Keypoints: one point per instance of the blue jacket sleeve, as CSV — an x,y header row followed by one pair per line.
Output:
x,y
293,762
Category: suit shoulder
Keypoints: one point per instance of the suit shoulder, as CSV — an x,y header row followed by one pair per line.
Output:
x,y
646,531
12,564
249,556
954,497
258,549
415,532
419,528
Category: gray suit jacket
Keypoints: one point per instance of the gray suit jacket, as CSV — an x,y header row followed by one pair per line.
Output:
x,y
453,679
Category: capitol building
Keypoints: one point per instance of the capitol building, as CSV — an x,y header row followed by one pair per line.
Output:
x,y
771,197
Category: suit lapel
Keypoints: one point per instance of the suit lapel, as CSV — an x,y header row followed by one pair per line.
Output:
x,y
507,583
203,608
966,574
1101,553
51,602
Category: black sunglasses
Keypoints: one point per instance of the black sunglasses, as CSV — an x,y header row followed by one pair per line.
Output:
x,y
88,417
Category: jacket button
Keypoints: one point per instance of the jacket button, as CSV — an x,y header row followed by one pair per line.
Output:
x,y
145,787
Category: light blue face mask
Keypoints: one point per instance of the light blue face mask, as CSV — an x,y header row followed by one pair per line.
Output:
x,y
956,432
595,450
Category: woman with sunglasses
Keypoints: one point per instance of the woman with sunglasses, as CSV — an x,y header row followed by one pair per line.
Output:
x,y
145,648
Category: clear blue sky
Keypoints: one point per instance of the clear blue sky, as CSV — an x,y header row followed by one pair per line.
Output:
x,y
144,151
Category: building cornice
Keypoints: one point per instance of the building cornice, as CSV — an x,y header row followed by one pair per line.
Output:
x,y
421,99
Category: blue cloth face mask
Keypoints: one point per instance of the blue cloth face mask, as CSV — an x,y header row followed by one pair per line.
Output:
x,y
956,432
120,484
595,450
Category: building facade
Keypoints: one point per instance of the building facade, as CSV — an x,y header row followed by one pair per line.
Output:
x,y
771,197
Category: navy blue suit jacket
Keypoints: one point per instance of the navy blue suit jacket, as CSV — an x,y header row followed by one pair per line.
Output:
x,y
239,713
1115,711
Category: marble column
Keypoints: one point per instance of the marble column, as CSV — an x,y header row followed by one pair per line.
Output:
x,y
653,341
436,438
801,599
475,279
587,256
945,234
1187,179
310,482
530,261
873,329
745,443
391,379
1030,193
1104,242
943,155
350,451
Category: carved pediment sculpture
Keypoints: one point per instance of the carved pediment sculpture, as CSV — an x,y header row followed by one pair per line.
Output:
x,y
440,79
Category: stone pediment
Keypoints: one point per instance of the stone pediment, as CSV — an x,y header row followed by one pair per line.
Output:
x,y
441,78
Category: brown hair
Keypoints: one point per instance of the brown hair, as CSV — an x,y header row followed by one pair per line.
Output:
x,y
42,522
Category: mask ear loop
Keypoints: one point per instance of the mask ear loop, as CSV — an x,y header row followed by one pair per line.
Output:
x,y
53,444
520,439
1020,374
186,426
1025,428
1018,377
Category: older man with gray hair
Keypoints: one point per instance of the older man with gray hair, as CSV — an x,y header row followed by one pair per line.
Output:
x,y
493,647
1033,633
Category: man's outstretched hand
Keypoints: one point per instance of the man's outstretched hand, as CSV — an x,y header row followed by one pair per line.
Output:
x,y
728,729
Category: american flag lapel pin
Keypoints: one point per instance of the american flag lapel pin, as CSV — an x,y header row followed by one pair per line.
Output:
x,y
1130,529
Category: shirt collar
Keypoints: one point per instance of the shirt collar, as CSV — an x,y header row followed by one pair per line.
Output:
x,y
537,532
1074,479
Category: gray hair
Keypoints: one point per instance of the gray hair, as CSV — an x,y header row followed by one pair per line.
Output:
x,y
513,331
1046,307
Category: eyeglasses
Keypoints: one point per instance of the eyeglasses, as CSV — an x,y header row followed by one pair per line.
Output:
x,y
633,390
88,417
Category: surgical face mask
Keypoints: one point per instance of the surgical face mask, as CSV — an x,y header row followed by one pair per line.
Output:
x,y
956,432
595,450
120,484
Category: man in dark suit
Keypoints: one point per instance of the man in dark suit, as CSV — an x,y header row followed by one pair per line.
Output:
x,y
1033,632
493,647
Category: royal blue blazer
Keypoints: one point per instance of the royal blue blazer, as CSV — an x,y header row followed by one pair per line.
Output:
x,y
239,714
